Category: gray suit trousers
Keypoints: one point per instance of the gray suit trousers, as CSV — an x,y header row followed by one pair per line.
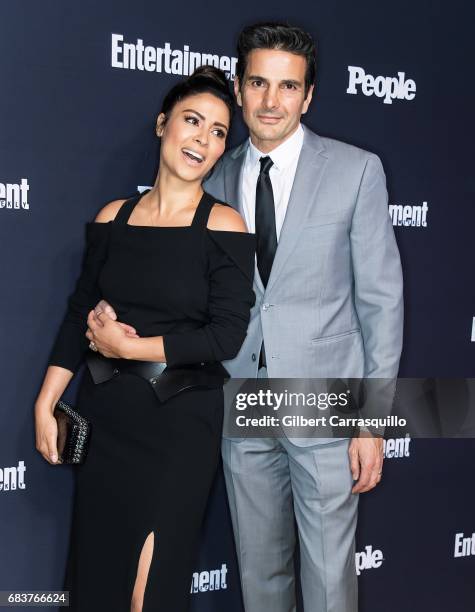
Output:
x,y
269,481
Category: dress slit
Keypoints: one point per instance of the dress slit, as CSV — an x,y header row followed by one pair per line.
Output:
x,y
135,570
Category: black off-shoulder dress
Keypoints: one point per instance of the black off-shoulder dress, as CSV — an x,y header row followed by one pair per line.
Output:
x,y
151,463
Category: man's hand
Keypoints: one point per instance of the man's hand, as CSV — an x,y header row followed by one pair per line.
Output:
x,y
106,308
110,337
366,461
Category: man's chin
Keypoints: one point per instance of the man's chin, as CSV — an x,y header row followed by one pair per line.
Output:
x,y
271,133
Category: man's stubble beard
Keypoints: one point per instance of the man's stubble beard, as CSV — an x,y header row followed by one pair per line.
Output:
x,y
271,136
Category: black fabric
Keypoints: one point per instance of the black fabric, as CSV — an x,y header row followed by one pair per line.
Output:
x,y
151,461
192,287
71,343
165,381
265,221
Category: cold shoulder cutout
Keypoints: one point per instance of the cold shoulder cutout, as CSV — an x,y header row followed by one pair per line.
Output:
x,y
223,217
240,247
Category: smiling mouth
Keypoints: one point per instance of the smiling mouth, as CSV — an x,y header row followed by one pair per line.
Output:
x,y
193,155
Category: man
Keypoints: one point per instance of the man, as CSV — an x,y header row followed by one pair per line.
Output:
x,y
328,290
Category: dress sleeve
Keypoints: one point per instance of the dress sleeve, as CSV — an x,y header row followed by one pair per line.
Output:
x,y
231,297
71,343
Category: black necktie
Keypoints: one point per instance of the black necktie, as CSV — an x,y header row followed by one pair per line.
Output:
x,y
265,221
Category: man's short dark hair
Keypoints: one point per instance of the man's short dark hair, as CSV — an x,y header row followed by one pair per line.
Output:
x,y
276,35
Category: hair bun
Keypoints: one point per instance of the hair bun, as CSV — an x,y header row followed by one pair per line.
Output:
x,y
210,72
205,79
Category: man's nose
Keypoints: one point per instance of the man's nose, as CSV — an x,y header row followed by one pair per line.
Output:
x,y
271,98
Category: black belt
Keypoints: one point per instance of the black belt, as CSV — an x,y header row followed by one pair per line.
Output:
x,y
165,381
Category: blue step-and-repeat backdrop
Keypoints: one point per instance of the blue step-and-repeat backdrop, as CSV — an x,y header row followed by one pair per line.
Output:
x,y
80,87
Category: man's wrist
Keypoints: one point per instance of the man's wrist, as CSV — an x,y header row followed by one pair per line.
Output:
x,y
365,432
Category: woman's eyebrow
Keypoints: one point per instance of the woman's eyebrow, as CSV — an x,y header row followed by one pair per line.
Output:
x,y
191,110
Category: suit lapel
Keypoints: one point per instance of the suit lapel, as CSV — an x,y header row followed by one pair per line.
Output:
x,y
233,190
310,168
233,177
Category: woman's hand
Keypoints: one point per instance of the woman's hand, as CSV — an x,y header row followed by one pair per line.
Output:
x,y
55,382
46,429
110,338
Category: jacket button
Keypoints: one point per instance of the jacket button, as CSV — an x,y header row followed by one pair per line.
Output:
x,y
253,356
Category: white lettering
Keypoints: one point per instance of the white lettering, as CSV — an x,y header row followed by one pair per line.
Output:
x,y
464,546
388,88
12,478
368,559
409,215
213,580
14,196
116,50
137,56
395,448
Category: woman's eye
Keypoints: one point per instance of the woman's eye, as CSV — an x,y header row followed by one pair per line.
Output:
x,y
192,120
220,133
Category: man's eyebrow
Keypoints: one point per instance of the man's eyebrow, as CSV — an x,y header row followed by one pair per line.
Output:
x,y
256,77
293,82
192,110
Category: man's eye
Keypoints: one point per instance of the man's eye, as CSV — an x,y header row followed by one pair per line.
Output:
x,y
289,86
257,83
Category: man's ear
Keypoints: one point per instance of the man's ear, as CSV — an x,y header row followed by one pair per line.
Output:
x,y
237,91
160,125
308,99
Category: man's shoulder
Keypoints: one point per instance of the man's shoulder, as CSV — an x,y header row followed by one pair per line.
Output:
x,y
228,157
234,152
338,150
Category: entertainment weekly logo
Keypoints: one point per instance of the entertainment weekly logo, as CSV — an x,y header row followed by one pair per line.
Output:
x,y
397,448
464,545
151,58
388,88
409,215
12,478
14,196
212,580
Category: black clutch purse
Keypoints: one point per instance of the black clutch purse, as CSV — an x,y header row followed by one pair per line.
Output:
x,y
74,432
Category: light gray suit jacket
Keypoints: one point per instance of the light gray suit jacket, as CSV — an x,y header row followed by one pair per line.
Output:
x,y
333,305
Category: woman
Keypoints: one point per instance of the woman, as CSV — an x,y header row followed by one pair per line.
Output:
x,y
178,267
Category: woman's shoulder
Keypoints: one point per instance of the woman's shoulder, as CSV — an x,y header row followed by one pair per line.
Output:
x,y
109,211
98,231
229,238
223,217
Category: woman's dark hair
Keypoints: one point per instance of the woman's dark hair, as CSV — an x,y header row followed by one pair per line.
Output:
x,y
205,79
276,35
